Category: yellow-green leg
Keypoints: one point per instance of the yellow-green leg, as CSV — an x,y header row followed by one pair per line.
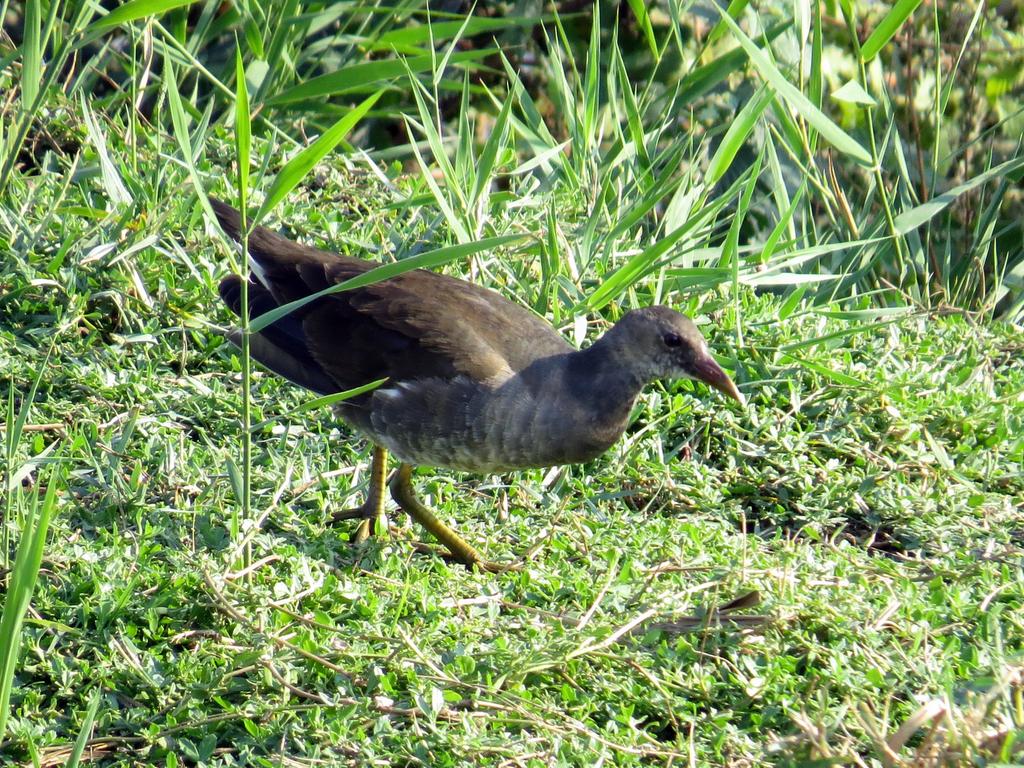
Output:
x,y
372,520
403,494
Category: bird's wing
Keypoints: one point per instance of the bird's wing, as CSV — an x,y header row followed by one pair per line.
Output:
x,y
417,325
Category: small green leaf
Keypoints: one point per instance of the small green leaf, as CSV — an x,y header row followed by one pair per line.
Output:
x,y
853,93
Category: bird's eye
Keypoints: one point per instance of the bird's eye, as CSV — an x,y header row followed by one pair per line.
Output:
x,y
672,340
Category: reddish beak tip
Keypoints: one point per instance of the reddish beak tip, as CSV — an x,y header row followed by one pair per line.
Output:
x,y
711,373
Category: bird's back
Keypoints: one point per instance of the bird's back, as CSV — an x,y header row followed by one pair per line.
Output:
x,y
440,342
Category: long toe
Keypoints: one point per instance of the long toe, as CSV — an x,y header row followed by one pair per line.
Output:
x,y
371,517
488,566
491,567
355,513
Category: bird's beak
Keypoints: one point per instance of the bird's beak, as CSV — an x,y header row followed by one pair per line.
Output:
x,y
711,373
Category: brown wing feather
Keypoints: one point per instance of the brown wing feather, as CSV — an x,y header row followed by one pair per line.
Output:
x,y
417,325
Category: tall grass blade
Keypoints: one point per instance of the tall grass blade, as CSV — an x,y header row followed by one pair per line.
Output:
x,y
31,55
736,7
815,85
887,27
915,217
243,131
242,512
800,103
739,129
634,116
426,260
135,10
455,221
278,57
14,428
591,90
112,183
300,165
442,65
772,241
640,264
362,76
439,31
489,154
179,125
14,133
21,583
708,76
83,734
321,402
643,20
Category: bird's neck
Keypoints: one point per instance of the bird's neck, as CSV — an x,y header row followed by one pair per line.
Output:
x,y
605,379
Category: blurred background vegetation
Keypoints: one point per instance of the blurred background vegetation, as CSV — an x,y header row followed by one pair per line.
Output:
x,y
920,207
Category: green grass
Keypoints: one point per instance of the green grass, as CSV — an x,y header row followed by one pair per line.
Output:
x,y
832,576
870,495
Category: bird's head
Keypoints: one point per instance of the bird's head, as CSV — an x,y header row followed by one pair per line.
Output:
x,y
660,343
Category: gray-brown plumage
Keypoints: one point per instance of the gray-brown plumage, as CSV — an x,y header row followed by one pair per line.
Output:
x,y
474,382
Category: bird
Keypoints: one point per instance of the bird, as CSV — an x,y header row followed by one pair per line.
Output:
x,y
472,381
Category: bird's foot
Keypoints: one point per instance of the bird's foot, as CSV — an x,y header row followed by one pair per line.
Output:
x,y
371,517
477,563
454,546
370,514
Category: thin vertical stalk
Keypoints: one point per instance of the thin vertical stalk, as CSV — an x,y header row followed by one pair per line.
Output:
x,y
20,586
876,161
5,524
14,427
243,146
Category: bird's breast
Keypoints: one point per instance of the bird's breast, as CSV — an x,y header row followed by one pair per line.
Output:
x,y
478,427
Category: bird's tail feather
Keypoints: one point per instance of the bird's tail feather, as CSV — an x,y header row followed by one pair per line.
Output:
x,y
281,346
264,244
